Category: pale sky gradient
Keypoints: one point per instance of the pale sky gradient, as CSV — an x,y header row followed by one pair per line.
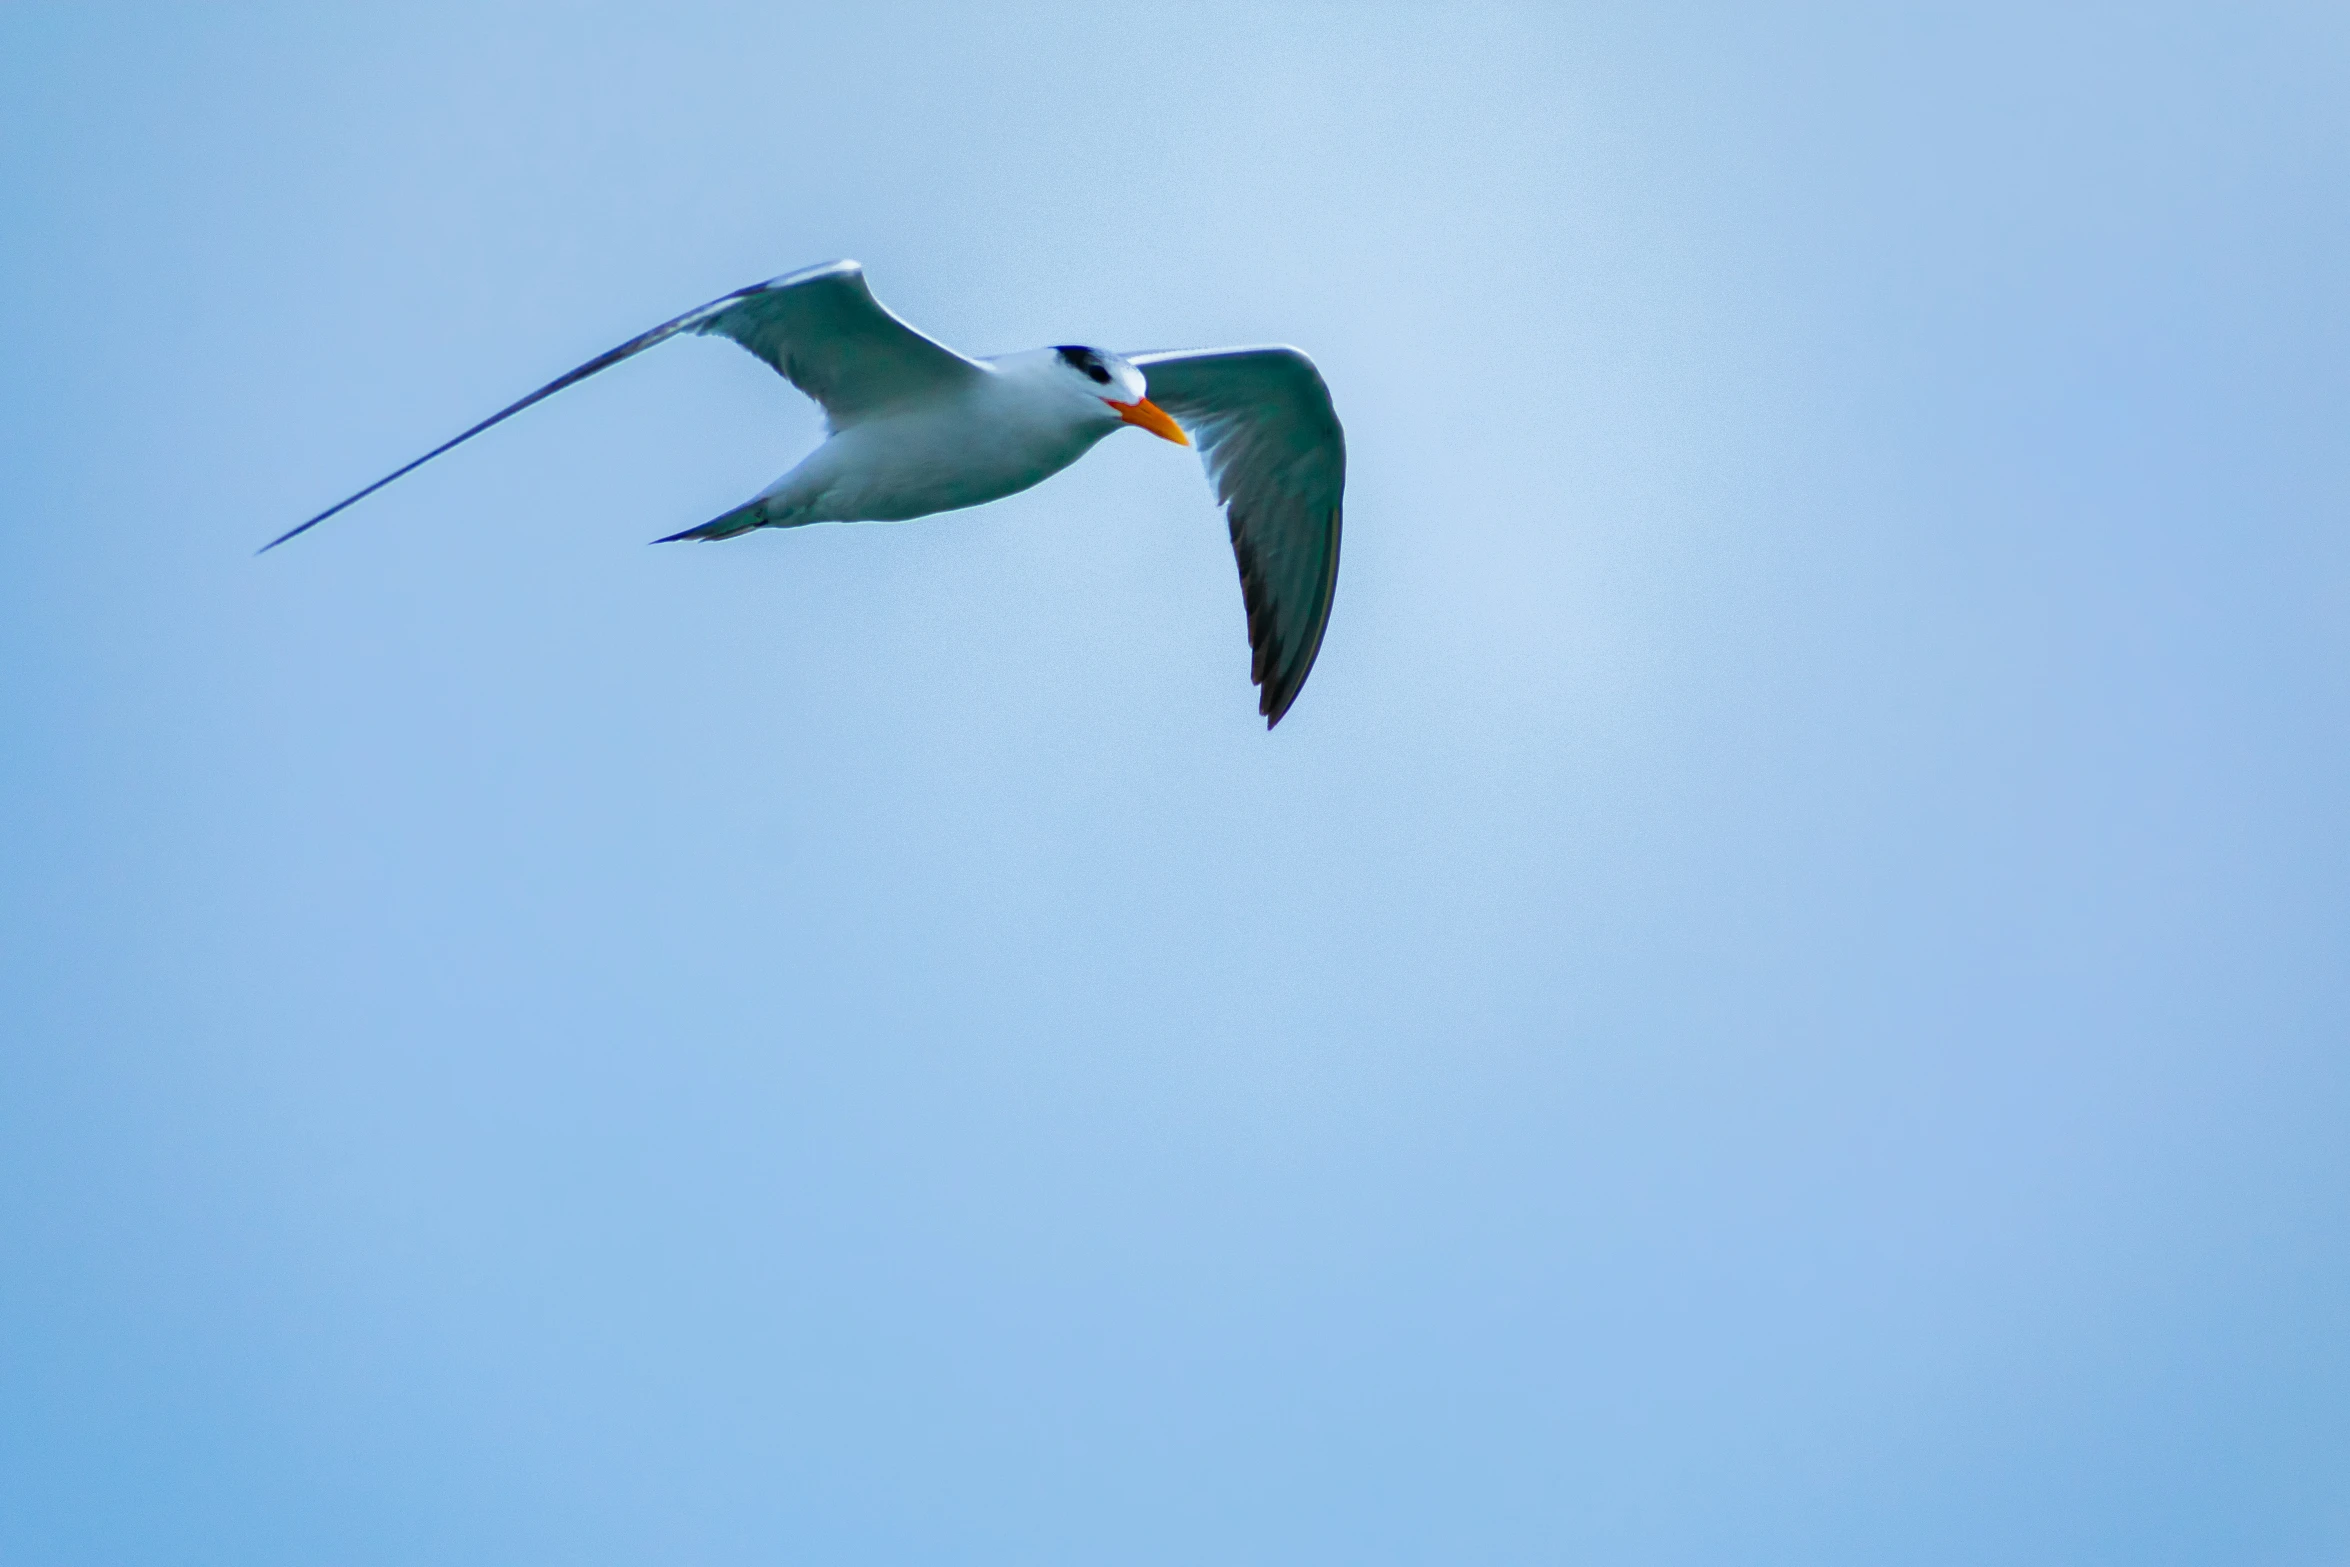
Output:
x,y
1783,996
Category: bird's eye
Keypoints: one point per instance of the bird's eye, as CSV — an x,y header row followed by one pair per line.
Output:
x,y
1087,360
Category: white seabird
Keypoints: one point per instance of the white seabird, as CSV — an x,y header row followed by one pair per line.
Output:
x,y
914,427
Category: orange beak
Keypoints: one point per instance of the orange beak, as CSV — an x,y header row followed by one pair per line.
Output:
x,y
1150,416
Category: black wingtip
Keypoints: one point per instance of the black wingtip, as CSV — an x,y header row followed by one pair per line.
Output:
x,y
302,528
1277,703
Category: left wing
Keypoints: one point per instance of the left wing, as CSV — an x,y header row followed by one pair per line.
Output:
x,y
820,328
1276,459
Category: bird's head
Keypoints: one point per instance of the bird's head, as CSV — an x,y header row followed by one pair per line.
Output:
x,y
1118,385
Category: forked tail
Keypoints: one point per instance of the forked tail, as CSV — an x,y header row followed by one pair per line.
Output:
x,y
749,515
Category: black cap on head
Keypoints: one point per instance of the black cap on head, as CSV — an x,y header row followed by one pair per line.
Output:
x,y
1085,359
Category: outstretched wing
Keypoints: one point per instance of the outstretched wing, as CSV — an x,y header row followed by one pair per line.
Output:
x,y
1276,459
821,329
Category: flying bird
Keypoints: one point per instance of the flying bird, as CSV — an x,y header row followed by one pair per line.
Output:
x,y
912,428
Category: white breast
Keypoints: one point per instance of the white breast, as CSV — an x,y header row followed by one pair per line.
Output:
x,y
1003,435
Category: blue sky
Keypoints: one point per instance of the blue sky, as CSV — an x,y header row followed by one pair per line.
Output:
x,y
1780,997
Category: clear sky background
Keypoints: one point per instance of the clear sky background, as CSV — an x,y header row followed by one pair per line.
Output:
x,y
1783,995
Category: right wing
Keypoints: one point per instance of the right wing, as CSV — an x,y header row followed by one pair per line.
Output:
x,y
820,329
1276,459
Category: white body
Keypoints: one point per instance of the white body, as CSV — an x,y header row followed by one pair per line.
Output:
x,y
1012,428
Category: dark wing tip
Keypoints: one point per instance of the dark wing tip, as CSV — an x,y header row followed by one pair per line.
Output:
x,y
1280,691
290,533
1279,668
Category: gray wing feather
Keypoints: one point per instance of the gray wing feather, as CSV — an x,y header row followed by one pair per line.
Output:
x,y
821,329
1276,460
